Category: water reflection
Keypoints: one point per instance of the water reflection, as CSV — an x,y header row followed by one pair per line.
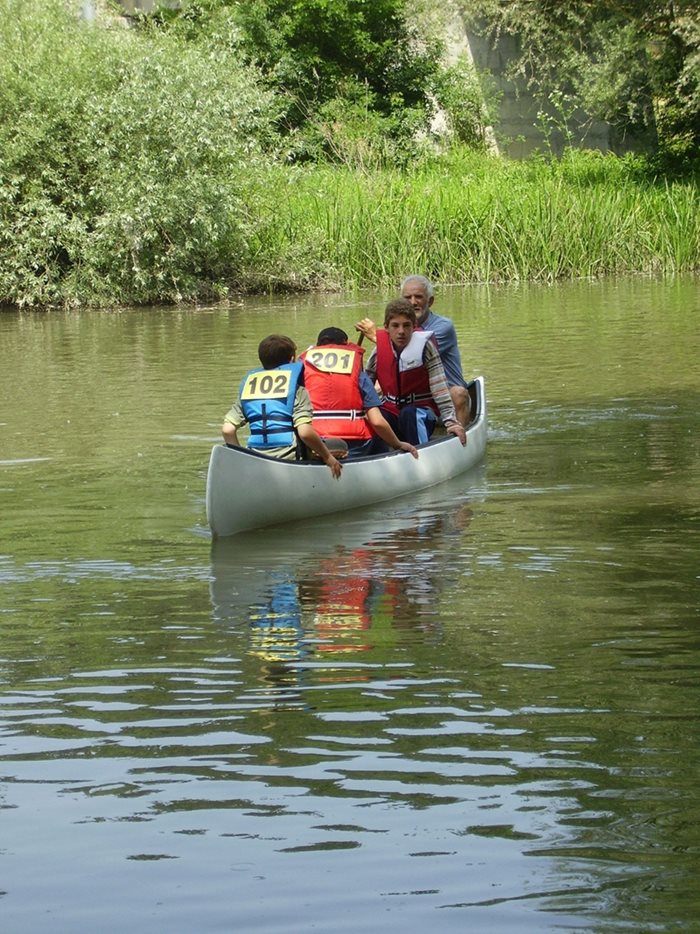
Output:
x,y
327,598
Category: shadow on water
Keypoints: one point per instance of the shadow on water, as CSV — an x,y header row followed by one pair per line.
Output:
x,y
359,525
331,596
384,717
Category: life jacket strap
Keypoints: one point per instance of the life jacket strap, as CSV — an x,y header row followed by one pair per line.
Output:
x,y
410,398
351,414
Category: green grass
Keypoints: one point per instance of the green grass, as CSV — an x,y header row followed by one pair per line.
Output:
x,y
468,217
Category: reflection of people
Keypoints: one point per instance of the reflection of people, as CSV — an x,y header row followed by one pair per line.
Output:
x,y
276,406
420,293
277,634
407,366
345,403
339,593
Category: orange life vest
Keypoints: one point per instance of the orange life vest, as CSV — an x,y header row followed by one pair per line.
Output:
x,y
332,379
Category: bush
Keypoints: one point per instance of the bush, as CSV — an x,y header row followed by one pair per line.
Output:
x,y
461,97
131,164
317,53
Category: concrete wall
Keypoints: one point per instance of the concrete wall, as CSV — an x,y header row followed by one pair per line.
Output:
x,y
516,130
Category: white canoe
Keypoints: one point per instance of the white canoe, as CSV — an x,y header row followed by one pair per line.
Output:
x,y
246,490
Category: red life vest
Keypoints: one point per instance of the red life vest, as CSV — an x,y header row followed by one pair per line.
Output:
x,y
404,379
332,379
341,610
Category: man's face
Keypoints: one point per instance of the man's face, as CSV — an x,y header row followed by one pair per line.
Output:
x,y
400,331
417,295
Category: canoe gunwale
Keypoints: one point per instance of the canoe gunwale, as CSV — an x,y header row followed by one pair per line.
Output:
x,y
312,463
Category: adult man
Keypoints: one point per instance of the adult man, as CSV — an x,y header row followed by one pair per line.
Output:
x,y
345,403
276,406
407,366
420,293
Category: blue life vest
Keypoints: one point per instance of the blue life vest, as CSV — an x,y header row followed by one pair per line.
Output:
x,y
267,400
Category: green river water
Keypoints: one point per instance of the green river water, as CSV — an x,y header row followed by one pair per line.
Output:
x,y
473,710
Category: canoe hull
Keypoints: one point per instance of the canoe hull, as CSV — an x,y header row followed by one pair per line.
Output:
x,y
246,490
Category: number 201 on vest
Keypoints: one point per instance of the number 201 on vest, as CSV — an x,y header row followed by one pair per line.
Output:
x,y
330,361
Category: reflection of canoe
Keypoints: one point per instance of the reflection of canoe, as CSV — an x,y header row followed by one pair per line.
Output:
x,y
245,567
246,490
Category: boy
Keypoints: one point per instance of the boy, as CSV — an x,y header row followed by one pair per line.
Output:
x,y
420,293
276,406
345,403
407,366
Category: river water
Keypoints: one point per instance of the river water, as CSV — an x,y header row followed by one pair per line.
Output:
x,y
476,709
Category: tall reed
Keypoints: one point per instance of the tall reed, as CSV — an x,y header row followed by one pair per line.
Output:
x,y
475,218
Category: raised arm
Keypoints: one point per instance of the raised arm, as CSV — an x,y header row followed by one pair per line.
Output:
x,y
367,327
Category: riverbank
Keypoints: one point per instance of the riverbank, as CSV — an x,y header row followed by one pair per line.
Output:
x,y
463,217
469,217
140,169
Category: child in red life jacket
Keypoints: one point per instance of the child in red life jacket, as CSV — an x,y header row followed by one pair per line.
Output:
x,y
407,366
345,402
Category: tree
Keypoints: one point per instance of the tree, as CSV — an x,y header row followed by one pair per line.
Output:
x,y
634,63
339,57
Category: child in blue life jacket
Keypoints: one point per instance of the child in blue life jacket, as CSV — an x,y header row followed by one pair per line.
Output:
x,y
277,407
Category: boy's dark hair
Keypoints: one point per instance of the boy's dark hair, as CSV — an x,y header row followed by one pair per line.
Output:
x,y
399,306
331,336
275,350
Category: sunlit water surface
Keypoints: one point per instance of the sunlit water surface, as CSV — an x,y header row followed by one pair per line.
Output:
x,y
476,709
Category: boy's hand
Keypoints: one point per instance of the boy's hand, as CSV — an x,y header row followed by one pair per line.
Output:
x,y
367,327
456,429
335,467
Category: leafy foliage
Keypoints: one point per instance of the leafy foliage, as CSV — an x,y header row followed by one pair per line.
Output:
x,y
142,166
462,97
636,65
329,56
130,166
